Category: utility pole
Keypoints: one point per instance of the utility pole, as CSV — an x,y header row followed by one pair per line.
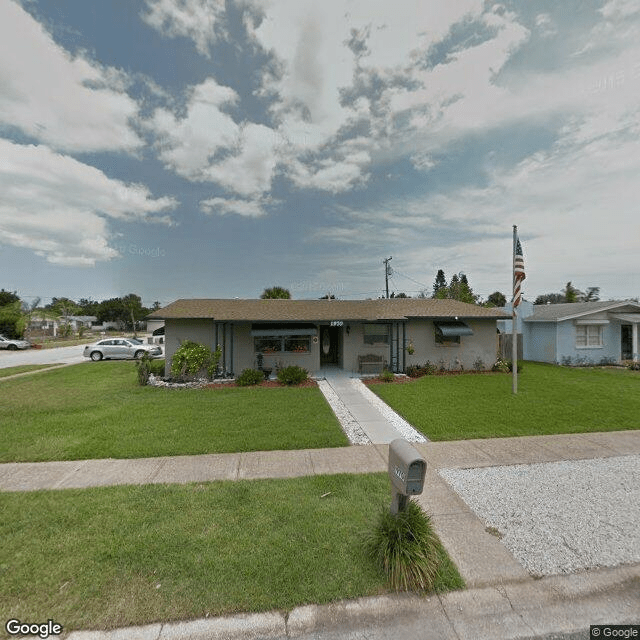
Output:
x,y
387,269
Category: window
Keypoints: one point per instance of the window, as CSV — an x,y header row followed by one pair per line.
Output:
x,y
279,344
589,335
376,333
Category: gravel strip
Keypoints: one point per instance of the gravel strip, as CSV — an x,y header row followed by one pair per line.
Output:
x,y
398,422
559,517
350,425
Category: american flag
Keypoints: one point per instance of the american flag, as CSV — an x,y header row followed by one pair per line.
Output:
x,y
518,273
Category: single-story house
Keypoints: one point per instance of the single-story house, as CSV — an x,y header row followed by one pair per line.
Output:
x,y
356,335
579,332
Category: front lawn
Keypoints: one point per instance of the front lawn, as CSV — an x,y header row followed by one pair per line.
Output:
x,y
97,410
24,368
118,556
550,399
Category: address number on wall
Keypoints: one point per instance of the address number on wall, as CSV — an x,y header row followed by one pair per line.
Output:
x,y
337,323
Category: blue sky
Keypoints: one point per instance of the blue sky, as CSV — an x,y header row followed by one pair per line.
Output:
x,y
203,148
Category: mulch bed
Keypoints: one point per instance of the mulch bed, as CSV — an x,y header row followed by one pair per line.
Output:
x,y
266,383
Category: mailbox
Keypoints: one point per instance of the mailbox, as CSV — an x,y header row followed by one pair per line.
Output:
x,y
407,470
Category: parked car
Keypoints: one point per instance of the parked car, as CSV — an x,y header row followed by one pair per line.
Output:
x,y
12,345
120,348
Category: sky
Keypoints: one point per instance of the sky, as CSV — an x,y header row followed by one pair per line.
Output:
x,y
211,148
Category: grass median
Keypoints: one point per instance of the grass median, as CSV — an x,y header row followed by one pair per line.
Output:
x,y
118,556
550,399
97,410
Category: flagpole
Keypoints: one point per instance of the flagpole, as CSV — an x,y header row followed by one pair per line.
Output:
x,y
514,332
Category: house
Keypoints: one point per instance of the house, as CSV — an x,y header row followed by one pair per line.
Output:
x,y
356,335
579,332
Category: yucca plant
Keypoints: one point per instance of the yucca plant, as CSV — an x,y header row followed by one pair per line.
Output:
x,y
405,547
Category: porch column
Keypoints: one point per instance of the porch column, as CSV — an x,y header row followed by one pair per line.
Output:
x,y
634,341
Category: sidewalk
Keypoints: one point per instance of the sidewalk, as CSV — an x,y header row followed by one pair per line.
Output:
x,y
502,601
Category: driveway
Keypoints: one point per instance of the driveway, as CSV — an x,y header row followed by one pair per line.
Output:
x,y
58,355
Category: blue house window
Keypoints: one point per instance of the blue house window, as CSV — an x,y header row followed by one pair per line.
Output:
x,y
589,335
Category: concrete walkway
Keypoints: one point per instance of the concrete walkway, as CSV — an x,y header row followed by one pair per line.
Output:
x,y
502,600
362,413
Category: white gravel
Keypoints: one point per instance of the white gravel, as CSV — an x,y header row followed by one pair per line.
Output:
x,y
398,422
559,517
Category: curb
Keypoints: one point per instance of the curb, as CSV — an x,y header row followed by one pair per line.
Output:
x,y
553,608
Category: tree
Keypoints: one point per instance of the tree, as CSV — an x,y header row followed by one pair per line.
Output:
x,y
549,298
327,296
439,283
592,295
571,294
12,320
496,299
401,294
276,292
6,297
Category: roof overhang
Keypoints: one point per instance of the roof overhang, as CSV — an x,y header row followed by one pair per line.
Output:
x,y
631,318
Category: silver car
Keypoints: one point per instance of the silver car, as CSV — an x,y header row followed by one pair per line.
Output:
x,y
12,345
120,348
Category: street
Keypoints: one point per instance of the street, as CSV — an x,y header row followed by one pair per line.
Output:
x,y
58,355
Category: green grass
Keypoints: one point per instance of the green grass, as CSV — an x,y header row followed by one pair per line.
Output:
x,y
550,400
117,556
97,410
25,368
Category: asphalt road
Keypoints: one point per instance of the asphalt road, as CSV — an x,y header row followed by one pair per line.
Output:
x,y
58,355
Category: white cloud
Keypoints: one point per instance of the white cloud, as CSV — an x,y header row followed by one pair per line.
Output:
x,y
195,19
60,208
224,206
207,145
68,103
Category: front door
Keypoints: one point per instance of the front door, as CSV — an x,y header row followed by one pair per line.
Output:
x,y
329,345
627,341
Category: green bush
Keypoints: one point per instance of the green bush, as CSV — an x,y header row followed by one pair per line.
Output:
x,y
193,359
387,376
249,377
292,375
404,546
419,370
157,367
143,366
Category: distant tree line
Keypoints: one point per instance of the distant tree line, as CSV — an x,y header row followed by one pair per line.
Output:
x,y
15,314
569,294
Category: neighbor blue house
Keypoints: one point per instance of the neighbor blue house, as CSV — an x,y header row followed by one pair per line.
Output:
x,y
578,332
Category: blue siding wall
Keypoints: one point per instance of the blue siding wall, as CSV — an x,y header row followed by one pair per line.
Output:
x,y
588,355
539,341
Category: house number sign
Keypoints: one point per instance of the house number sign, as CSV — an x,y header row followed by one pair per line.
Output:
x,y
337,323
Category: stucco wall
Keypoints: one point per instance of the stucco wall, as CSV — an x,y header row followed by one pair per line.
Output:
x,y
482,345
176,331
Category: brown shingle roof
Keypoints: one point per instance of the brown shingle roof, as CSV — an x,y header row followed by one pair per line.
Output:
x,y
323,310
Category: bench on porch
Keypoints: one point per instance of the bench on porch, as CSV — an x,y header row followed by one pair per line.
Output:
x,y
370,363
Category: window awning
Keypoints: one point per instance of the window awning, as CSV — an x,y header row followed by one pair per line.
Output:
x,y
453,329
262,330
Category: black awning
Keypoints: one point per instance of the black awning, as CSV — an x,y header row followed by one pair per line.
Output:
x,y
453,329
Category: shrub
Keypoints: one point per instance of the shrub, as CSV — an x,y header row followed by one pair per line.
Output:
x,y
156,367
501,366
633,366
387,376
144,369
292,375
249,377
478,364
404,547
193,359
